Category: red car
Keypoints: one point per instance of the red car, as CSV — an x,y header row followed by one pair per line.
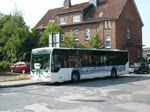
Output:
x,y
22,67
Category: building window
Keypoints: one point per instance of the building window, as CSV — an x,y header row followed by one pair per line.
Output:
x,y
97,29
129,17
51,20
107,24
76,19
76,34
128,33
54,40
107,42
62,20
62,37
87,34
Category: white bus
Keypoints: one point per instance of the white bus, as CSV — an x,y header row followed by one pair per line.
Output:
x,y
74,64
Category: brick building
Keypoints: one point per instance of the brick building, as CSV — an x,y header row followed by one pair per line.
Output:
x,y
118,23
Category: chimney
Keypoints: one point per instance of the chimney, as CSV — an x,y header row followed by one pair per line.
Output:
x,y
94,2
67,4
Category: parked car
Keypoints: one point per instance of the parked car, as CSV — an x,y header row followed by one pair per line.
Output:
x,y
20,67
139,67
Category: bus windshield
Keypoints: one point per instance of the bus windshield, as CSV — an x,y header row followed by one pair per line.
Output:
x,y
40,59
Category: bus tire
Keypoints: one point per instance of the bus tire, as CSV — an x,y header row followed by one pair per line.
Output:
x,y
75,76
114,73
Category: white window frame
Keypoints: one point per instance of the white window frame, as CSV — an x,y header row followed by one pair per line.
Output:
x,y
107,24
87,34
62,37
97,29
51,20
128,33
108,42
76,18
62,20
76,33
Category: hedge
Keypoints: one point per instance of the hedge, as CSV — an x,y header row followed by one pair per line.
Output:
x,y
5,66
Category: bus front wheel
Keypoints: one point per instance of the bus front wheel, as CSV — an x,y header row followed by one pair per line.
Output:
x,y
75,77
114,73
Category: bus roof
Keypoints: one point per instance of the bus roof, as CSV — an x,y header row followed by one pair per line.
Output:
x,y
94,49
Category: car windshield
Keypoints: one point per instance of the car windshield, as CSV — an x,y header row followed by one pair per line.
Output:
x,y
136,65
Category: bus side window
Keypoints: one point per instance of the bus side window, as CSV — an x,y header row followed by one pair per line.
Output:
x,y
102,60
74,61
95,60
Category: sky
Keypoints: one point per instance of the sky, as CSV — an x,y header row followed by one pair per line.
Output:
x,y
33,10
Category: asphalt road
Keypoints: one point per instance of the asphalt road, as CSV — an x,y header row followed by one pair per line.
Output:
x,y
128,93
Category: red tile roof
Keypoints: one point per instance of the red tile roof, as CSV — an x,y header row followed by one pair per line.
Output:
x,y
76,7
106,10
50,15
110,9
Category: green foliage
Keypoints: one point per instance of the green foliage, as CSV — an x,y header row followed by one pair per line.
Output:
x,y
12,23
15,38
34,39
50,29
95,42
5,66
18,44
3,20
81,45
69,41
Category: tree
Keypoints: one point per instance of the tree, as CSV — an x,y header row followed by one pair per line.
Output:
x,y
15,38
17,45
3,20
50,29
95,42
68,41
21,43
34,39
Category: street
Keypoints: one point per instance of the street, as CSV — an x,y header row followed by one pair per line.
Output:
x,y
128,93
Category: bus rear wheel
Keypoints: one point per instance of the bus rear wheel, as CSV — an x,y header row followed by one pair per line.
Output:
x,y
75,77
114,73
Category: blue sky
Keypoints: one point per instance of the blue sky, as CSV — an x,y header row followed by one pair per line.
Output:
x,y
34,10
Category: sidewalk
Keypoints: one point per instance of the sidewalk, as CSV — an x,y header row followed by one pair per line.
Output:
x,y
17,83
